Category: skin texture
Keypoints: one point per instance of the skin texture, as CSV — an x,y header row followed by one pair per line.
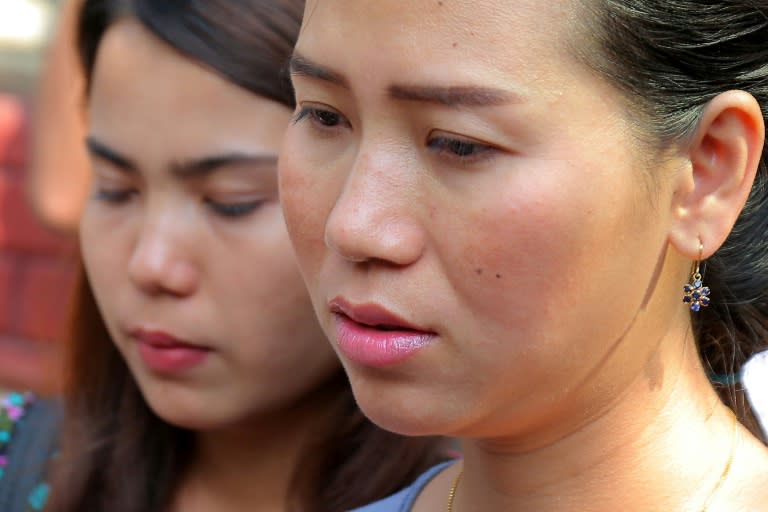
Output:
x,y
162,255
548,259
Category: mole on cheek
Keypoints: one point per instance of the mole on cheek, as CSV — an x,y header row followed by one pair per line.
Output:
x,y
498,276
479,271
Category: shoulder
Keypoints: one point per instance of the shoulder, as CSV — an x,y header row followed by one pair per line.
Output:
x,y
28,438
27,418
404,499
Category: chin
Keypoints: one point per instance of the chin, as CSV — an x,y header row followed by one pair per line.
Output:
x,y
403,423
403,408
184,409
190,418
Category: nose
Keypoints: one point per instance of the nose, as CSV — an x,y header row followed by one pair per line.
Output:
x,y
160,262
376,216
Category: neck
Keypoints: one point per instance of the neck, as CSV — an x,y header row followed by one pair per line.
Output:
x,y
252,465
662,445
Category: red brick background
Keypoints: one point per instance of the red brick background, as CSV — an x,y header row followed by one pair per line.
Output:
x,y
37,269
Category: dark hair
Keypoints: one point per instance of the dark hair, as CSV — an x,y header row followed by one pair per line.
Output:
x,y
117,455
670,58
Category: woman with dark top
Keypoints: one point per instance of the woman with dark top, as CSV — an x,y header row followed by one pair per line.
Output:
x,y
198,378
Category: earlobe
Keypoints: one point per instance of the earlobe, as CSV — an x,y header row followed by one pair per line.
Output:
x,y
723,155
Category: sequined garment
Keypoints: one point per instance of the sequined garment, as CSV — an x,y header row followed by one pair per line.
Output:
x,y
12,412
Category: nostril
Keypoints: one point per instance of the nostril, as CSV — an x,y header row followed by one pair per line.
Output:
x,y
396,242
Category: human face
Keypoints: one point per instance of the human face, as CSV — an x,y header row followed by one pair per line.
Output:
x,y
184,241
470,186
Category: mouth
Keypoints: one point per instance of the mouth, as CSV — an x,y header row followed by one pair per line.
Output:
x,y
165,353
373,316
371,335
161,339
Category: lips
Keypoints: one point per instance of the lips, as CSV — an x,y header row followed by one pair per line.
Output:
x,y
370,335
164,353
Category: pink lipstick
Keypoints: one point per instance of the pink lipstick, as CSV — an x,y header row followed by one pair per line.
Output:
x,y
370,335
163,353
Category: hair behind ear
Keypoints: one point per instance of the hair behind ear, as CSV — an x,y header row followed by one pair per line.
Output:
x,y
735,326
670,58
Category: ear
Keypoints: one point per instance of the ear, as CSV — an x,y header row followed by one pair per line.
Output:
x,y
723,157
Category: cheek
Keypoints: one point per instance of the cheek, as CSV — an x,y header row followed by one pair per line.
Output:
x,y
275,307
264,286
536,252
307,198
266,303
104,253
101,256
273,282
513,254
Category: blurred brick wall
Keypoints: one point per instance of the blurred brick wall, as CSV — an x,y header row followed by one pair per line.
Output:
x,y
37,269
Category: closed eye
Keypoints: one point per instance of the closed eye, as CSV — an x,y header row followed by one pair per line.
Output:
x,y
114,196
233,210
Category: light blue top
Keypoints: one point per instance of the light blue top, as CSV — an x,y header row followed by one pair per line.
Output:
x,y
403,500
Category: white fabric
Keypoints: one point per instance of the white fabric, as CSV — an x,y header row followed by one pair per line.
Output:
x,y
754,375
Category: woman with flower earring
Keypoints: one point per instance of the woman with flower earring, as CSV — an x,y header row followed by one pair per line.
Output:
x,y
540,227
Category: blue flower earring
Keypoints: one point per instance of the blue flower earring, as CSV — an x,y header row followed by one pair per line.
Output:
x,y
696,294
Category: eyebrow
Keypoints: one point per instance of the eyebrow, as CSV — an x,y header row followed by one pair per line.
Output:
x,y
205,166
195,168
101,150
302,66
451,96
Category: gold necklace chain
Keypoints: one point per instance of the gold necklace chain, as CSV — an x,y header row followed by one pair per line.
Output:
x,y
452,492
728,464
718,485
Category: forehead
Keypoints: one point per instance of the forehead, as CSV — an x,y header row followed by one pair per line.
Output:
x,y
398,35
133,65
141,85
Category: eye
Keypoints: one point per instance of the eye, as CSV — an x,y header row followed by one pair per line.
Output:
x,y
114,196
465,150
233,210
323,118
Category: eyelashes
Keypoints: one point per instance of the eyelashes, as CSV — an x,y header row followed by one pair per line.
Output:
x,y
322,118
233,209
461,150
118,197
465,150
114,196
